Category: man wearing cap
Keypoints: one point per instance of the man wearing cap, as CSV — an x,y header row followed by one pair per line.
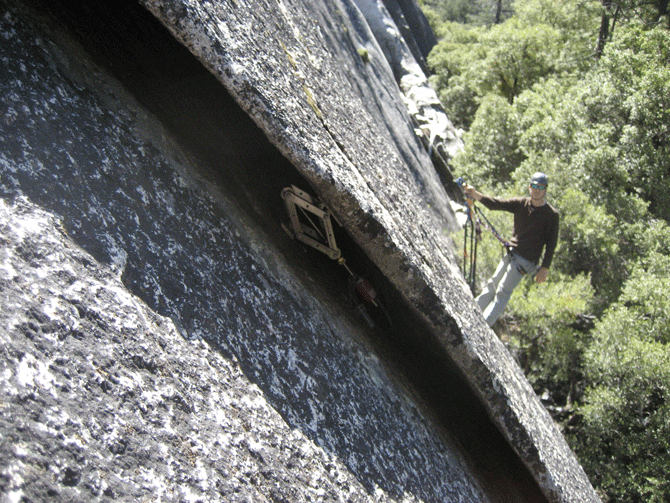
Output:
x,y
535,229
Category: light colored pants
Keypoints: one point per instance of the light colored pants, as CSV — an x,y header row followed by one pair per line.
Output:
x,y
498,290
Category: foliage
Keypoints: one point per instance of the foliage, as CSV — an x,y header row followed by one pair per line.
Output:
x,y
532,94
547,330
550,118
590,244
477,12
627,99
624,438
491,149
455,74
650,13
518,55
576,20
453,10
471,61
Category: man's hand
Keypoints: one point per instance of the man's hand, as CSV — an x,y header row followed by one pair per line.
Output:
x,y
541,275
471,193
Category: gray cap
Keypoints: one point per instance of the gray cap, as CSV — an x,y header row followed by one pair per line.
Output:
x,y
540,178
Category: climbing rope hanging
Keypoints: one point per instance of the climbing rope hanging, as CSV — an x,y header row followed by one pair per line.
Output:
x,y
472,234
492,229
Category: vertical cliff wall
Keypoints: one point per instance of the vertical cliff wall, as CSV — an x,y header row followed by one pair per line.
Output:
x,y
156,344
164,338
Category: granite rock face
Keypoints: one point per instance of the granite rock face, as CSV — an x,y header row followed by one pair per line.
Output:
x,y
345,139
163,338
156,345
104,400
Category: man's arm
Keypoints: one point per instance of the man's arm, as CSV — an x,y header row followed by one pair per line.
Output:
x,y
542,274
492,203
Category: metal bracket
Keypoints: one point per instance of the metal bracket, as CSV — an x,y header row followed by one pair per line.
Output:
x,y
302,208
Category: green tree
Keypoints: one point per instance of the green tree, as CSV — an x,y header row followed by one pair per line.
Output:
x,y
575,19
624,438
545,327
649,13
626,150
476,12
491,151
469,63
546,39
456,76
517,56
532,96
591,242
452,10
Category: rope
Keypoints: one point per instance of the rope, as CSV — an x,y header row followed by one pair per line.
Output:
x,y
493,230
473,226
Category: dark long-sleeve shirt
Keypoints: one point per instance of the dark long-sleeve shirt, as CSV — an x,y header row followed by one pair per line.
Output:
x,y
535,228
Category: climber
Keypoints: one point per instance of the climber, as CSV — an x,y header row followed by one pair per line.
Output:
x,y
535,228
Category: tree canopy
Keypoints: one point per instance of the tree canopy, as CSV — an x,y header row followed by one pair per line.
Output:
x,y
579,89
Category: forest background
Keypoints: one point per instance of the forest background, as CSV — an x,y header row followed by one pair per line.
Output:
x,y
578,89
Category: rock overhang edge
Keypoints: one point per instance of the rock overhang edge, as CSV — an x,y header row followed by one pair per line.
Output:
x,y
282,75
